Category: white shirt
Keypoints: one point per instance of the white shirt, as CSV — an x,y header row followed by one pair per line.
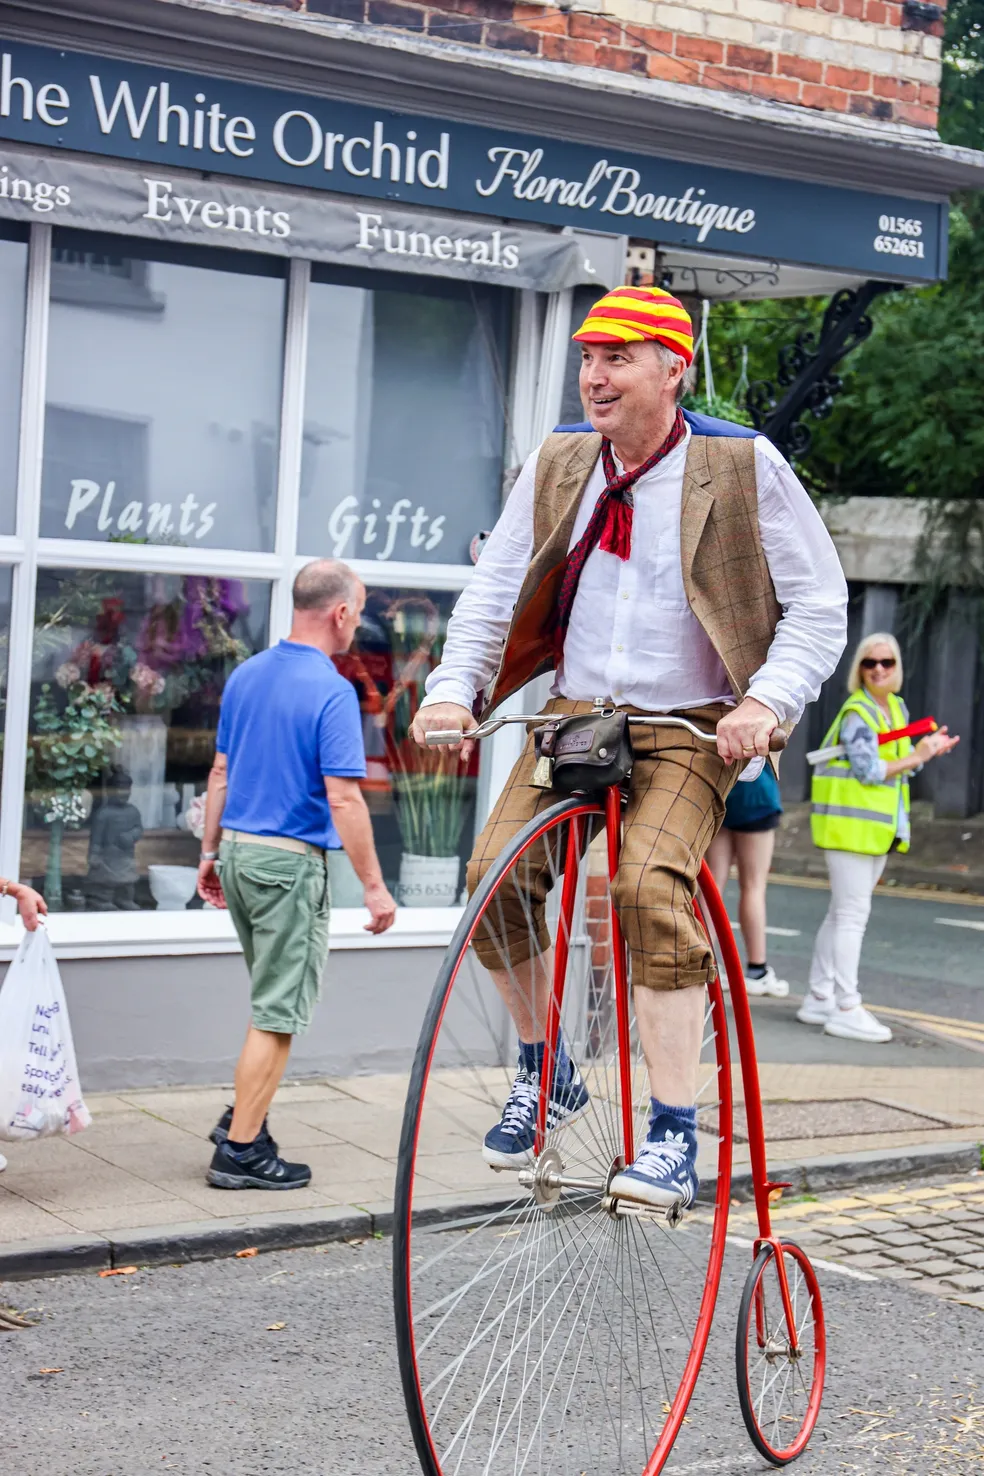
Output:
x,y
632,634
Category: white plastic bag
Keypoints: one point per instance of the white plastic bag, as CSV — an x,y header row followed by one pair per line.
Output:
x,y
39,1080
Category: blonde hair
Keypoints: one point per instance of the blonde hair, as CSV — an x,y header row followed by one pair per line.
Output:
x,y
880,638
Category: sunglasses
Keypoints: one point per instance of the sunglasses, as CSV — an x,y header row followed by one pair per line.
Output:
x,y
870,662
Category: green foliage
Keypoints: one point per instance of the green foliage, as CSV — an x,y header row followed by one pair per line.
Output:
x,y
962,99
910,421
719,407
72,744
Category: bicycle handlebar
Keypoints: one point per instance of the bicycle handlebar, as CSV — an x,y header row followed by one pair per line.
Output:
x,y
437,736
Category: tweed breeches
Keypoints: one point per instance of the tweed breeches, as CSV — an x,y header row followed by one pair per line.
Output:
x,y
675,808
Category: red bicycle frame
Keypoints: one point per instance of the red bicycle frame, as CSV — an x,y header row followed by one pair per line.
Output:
x,y
763,1187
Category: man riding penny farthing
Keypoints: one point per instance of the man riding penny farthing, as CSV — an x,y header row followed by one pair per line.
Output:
x,y
673,572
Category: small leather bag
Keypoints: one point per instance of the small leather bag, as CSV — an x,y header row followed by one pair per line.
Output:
x,y
583,753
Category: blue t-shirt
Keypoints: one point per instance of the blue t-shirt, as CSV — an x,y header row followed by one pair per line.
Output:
x,y
288,718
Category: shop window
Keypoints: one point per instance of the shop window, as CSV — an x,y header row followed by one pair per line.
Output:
x,y
404,421
422,800
13,297
163,396
128,673
102,279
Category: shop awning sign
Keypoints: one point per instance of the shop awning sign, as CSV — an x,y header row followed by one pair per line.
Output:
x,y
167,118
171,205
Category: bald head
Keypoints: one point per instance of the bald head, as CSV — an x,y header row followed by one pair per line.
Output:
x,y
325,583
328,602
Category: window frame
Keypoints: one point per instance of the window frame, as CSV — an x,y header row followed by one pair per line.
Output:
x,y
540,331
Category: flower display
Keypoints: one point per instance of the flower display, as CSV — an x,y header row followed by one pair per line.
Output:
x,y
147,680
432,788
69,807
194,816
67,674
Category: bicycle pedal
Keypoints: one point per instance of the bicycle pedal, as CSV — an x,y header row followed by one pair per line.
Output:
x,y
628,1209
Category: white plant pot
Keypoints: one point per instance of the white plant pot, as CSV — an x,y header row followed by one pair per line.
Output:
x,y
172,887
143,754
428,881
346,889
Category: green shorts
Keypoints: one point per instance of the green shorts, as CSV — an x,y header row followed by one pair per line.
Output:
x,y
279,903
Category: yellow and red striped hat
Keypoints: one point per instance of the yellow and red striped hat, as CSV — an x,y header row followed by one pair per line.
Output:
x,y
635,314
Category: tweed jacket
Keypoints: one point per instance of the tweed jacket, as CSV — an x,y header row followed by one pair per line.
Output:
x,y
725,574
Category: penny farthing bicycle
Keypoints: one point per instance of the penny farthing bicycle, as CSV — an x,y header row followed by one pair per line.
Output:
x,y
545,1326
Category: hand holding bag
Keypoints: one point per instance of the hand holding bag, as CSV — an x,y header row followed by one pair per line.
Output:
x,y
39,1081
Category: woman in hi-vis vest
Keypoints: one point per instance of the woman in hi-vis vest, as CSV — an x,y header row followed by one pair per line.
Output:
x,y
860,812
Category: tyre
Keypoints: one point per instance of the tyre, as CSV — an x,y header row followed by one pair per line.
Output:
x,y
539,1328
780,1389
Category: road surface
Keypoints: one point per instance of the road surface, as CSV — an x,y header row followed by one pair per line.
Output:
x,y
285,1364
922,956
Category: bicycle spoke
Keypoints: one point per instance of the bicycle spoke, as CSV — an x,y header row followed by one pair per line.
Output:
x,y
547,1336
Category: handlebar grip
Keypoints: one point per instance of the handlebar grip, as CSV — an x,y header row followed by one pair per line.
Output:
x,y
777,740
443,735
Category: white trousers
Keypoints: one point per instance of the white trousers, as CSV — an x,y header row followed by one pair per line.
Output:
x,y
837,951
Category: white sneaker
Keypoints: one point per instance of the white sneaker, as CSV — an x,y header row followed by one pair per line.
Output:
x,y
815,1011
856,1024
3,1163
768,984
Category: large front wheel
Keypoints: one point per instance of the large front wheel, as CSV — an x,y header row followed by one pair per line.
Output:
x,y
541,1328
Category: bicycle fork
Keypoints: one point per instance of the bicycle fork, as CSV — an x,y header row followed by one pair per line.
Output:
x,y
548,1179
763,1187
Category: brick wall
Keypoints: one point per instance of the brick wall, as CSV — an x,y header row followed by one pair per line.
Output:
x,y
872,58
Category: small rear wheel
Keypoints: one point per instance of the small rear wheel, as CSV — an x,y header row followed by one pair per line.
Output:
x,y
780,1387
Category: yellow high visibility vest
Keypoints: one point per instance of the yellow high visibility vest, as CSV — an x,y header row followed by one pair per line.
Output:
x,y
846,815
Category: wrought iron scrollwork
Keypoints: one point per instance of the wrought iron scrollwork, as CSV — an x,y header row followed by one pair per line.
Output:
x,y
699,280
806,370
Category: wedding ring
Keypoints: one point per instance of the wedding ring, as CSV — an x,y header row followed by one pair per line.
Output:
x,y
744,749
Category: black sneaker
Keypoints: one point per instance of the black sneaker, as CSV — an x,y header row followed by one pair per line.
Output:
x,y
256,1167
220,1132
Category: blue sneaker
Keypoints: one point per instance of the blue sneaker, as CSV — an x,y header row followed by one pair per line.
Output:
x,y
509,1145
664,1173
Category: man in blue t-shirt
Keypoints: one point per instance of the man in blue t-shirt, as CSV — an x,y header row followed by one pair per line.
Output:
x,y
284,790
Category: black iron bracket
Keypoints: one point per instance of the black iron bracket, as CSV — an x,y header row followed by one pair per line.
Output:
x,y
806,370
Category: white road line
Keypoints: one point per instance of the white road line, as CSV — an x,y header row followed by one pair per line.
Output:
x,y
776,932
956,922
726,1463
842,1270
815,1261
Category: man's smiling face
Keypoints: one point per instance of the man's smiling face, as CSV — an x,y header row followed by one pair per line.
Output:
x,y
622,384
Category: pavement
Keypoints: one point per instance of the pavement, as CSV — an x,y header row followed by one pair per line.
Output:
x,y
132,1186
285,1365
927,1234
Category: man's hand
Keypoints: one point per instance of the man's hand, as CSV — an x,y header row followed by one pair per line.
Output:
x,y
209,886
745,732
445,715
30,904
382,908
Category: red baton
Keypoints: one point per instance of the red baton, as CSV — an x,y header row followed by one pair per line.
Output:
x,y
918,729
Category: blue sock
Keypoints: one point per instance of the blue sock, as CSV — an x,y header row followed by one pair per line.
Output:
x,y
531,1058
685,1116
